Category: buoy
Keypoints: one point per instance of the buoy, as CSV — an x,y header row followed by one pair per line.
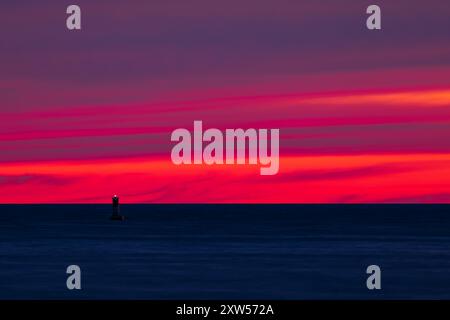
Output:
x,y
116,209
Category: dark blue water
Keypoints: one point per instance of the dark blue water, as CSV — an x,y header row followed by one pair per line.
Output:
x,y
225,251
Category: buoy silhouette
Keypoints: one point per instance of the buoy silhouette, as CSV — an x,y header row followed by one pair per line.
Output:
x,y
116,209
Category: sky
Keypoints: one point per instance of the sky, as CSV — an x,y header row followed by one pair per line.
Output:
x,y
364,116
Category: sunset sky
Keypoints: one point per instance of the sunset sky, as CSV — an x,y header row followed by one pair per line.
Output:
x,y
364,116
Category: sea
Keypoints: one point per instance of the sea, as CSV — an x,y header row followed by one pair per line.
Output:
x,y
225,251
